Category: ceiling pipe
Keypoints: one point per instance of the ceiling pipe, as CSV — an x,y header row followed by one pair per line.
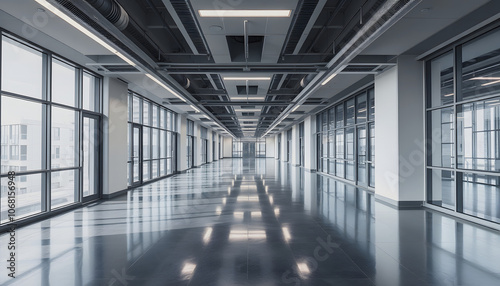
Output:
x,y
113,11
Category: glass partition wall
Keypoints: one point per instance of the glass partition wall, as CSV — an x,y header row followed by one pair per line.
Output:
x,y
346,139
50,130
152,140
463,127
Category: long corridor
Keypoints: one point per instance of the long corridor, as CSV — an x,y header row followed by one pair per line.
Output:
x,y
252,222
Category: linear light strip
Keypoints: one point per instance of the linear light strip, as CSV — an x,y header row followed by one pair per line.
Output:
x,y
84,30
245,13
246,78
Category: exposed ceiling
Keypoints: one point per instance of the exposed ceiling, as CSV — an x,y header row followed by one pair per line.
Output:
x,y
345,41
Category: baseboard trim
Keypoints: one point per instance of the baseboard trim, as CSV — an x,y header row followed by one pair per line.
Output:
x,y
115,194
399,204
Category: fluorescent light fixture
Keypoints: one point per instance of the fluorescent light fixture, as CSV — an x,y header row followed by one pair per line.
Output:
x,y
218,210
449,94
271,200
224,200
247,78
486,78
206,116
84,30
194,108
247,98
267,189
245,13
329,78
490,83
238,214
153,78
247,109
296,107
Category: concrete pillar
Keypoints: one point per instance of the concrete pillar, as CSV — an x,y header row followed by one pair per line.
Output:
x,y
270,147
182,144
115,136
310,143
295,160
399,129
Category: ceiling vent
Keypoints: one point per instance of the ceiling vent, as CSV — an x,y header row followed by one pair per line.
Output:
x,y
236,45
242,89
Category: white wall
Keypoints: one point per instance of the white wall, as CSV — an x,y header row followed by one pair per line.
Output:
x,y
270,147
182,143
295,146
228,147
115,135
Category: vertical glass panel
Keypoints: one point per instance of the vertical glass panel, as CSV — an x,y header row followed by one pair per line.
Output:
x,y
169,120
156,147
350,112
442,188
331,117
63,83
349,138
154,173
361,108
146,143
441,132
325,121
146,112
21,126
163,144
479,135
163,167
163,118
156,122
339,154
481,66
90,156
441,80
64,143
63,188
145,170
362,156
90,92
137,109
371,99
339,113
170,166
481,196
28,196
372,154
331,145
22,69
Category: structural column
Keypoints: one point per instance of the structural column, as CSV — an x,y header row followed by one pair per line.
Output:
x,y
399,134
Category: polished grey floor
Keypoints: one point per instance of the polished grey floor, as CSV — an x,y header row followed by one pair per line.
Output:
x,y
252,222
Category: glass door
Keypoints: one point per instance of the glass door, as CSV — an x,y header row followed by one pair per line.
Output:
x,y
136,154
248,149
91,162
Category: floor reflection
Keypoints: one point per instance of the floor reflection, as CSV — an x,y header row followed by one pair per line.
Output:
x,y
252,222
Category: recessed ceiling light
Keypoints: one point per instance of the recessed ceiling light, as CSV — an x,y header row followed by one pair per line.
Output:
x,y
248,78
245,13
215,28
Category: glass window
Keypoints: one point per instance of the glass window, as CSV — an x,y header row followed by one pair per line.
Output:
x,y
156,147
339,121
24,132
442,186
441,80
361,108
349,144
22,69
350,112
442,137
156,122
371,99
28,202
137,109
17,112
479,135
90,92
64,120
481,196
481,66
63,83
63,191
145,112
331,117
146,143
